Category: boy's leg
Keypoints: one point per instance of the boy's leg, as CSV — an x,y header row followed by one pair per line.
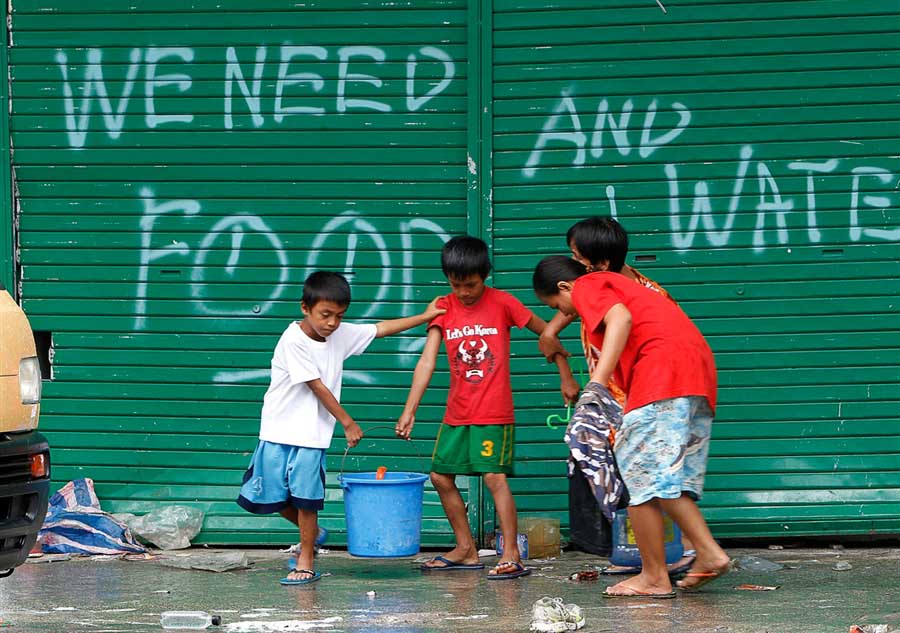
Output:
x,y
308,521
661,451
451,458
491,453
291,514
306,482
509,522
465,551
649,533
710,557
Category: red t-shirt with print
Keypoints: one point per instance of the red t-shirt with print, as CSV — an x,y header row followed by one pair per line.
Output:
x,y
665,356
477,342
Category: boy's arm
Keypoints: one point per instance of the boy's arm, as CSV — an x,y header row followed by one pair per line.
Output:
x,y
568,385
394,326
421,378
548,340
351,429
617,324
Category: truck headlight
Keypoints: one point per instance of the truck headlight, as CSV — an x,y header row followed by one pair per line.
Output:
x,y
30,380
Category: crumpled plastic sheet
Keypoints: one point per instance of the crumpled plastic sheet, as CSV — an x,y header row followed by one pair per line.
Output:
x,y
169,527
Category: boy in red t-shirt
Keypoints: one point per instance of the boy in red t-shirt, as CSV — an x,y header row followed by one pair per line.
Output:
x,y
659,357
600,243
477,433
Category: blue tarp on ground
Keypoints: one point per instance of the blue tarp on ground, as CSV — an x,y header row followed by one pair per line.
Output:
x,y
75,524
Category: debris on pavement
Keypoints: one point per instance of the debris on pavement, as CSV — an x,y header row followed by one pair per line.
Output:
x,y
870,628
552,615
169,527
50,558
209,561
748,587
582,576
753,563
104,558
842,565
776,547
371,594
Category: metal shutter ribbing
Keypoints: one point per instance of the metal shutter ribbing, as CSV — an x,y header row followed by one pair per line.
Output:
x,y
180,168
748,148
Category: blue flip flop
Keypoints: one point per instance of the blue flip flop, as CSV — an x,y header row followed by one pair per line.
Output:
x,y
521,570
302,581
448,564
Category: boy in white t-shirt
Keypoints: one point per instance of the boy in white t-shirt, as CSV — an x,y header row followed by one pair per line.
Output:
x,y
287,470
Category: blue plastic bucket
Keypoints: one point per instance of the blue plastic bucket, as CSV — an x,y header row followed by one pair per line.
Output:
x,y
384,516
624,548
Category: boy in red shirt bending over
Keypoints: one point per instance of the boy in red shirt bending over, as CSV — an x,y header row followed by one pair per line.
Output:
x,y
477,434
659,357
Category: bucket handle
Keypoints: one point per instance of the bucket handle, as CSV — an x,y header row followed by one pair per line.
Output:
x,y
568,418
344,484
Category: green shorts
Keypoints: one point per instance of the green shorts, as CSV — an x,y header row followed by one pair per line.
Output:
x,y
474,449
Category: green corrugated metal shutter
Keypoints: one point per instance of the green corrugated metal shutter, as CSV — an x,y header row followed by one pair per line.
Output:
x,y
749,148
180,168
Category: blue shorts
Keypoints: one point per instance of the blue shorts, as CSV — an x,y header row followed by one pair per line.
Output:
x,y
661,449
281,475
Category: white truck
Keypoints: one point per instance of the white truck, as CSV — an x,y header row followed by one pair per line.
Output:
x,y
24,453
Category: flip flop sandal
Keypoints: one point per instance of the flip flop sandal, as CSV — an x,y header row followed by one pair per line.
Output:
x,y
640,595
314,576
705,577
448,564
520,570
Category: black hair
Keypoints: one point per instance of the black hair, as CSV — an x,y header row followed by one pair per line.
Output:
x,y
465,255
552,270
324,285
600,239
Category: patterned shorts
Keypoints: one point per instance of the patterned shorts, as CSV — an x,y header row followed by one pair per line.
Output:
x,y
661,448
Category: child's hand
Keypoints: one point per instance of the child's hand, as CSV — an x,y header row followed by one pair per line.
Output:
x,y
354,434
550,347
432,310
570,389
405,425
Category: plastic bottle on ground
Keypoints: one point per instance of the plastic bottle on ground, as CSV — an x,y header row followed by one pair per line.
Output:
x,y
188,620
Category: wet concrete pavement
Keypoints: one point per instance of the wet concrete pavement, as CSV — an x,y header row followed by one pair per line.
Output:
x,y
103,596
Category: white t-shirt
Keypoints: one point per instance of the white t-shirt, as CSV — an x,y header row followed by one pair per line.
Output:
x,y
291,413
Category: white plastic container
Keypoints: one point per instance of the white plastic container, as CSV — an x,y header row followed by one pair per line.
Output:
x,y
188,620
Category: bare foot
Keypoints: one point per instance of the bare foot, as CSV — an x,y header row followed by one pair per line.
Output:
x,y
640,585
458,555
304,561
300,574
509,569
703,572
